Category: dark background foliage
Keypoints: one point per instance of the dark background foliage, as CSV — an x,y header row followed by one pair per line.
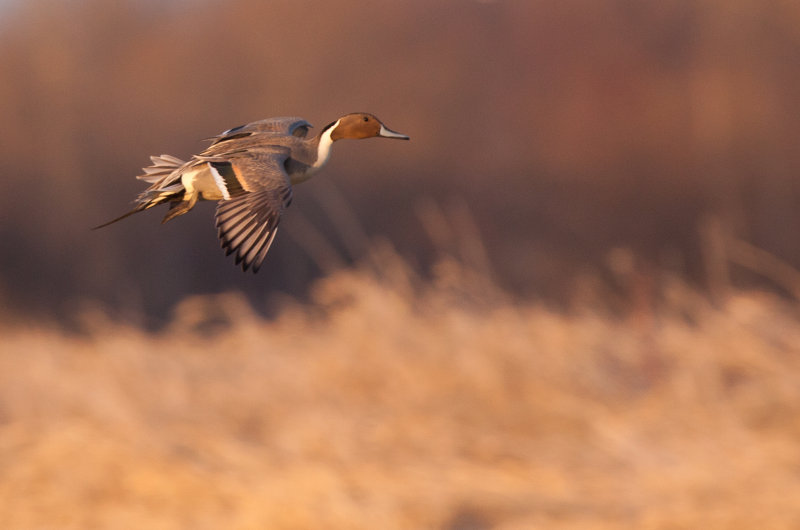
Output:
x,y
550,132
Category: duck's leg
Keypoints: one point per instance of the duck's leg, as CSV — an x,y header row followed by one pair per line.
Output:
x,y
193,187
181,207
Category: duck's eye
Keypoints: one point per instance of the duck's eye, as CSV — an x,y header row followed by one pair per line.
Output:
x,y
366,118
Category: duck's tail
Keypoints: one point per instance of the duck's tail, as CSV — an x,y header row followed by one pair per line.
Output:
x,y
166,186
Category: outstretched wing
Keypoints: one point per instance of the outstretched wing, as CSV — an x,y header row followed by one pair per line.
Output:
x,y
248,221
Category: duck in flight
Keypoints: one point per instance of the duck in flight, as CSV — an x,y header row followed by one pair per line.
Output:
x,y
250,171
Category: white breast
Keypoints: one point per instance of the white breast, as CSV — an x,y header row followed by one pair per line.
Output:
x,y
323,154
324,149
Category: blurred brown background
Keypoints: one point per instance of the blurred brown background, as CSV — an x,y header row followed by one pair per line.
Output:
x,y
561,130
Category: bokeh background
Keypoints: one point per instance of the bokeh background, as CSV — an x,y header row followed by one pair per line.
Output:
x,y
569,302
562,129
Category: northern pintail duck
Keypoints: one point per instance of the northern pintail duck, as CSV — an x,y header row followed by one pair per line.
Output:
x,y
250,170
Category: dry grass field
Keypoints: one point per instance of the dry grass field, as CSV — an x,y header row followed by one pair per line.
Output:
x,y
395,403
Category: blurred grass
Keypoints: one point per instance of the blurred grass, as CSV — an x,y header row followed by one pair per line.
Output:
x,y
391,402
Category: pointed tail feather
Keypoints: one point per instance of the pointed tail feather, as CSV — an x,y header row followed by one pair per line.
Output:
x,y
164,177
139,208
149,198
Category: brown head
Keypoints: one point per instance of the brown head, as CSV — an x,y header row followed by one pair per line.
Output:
x,y
360,125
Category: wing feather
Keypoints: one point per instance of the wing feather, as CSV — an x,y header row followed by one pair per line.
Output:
x,y
288,125
264,249
247,223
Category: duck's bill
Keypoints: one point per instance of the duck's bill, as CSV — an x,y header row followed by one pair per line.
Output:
x,y
388,133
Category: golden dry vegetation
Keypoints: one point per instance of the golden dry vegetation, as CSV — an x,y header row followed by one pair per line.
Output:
x,y
392,402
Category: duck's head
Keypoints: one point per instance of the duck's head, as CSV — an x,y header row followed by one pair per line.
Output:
x,y
360,125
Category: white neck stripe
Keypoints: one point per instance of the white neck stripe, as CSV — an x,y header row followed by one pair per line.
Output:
x,y
324,148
